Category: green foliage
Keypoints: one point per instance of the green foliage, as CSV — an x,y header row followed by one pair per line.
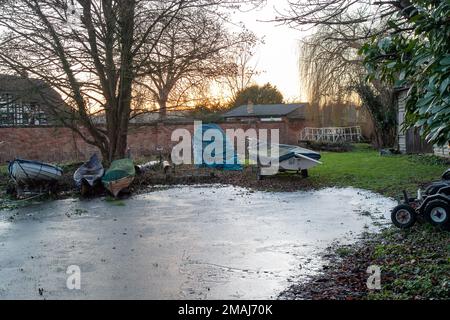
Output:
x,y
208,111
383,110
420,60
114,201
3,175
266,94
329,146
414,263
344,251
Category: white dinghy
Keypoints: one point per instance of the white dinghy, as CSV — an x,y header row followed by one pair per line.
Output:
x,y
290,158
33,171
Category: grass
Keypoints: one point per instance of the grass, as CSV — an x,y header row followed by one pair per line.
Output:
x,y
114,201
3,172
4,178
365,168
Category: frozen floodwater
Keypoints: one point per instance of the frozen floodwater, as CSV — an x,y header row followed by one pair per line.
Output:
x,y
187,242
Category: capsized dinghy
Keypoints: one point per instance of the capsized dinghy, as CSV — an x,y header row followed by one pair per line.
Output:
x,y
119,176
25,171
89,173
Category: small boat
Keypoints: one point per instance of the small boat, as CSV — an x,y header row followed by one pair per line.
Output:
x,y
153,166
119,176
290,158
89,173
27,171
148,166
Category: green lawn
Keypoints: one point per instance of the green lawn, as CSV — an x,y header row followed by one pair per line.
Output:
x,y
365,168
3,175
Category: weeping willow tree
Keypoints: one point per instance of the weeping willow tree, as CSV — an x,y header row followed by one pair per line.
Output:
x,y
333,74
328,67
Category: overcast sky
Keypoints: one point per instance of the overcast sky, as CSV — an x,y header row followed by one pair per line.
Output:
x,y
278,56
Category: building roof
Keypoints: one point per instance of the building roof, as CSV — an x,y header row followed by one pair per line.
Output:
x,y
267,110
31,90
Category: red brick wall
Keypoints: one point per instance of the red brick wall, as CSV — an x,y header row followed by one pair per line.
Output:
x,y
58,144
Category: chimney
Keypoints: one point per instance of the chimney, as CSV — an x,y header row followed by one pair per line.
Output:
x,y
250,107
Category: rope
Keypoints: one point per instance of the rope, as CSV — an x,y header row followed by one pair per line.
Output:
x,y
18,162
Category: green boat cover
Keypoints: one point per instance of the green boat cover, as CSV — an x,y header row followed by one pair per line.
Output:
x,y
119,169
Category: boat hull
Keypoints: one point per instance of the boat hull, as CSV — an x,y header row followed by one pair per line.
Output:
x,y
25,171
118,185
89,173
289,158
298,164
119,176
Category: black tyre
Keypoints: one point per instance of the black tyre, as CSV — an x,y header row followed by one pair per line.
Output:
x,y
259,176
403,216
304,173
438,213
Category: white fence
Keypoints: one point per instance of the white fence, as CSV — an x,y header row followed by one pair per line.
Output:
x,y
332,134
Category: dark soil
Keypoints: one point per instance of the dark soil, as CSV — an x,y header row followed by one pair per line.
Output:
x,y
246,178
185,175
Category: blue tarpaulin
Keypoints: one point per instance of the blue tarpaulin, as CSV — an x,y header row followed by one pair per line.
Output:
x,y
225,151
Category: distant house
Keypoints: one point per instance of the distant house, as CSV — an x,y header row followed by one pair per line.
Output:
x,y
25,101
267,112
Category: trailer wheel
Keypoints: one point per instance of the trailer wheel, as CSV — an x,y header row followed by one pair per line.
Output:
x,y
403,216
304,173
259,176
438,212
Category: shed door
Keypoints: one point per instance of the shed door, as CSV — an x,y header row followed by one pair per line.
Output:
x,y
415,144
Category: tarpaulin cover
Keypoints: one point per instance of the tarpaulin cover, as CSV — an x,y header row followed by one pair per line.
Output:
x,y
119,169
89,171
227,153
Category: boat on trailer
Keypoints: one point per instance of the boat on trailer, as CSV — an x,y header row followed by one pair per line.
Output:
x,y
30,171
119,176
290,158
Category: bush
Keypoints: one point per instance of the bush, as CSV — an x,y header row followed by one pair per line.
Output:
x,y
329,146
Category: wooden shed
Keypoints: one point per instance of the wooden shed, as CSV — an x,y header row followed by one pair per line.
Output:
x,y
409,141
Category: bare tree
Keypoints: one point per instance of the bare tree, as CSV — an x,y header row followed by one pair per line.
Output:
x,y
92,52
307,13
193,50
332,71
244,69
329,63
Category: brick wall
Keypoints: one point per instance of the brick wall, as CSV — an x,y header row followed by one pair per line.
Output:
x,y
56,144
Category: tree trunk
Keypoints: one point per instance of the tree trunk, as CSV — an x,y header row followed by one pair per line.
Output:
x,y
118,114
163,96
162,109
